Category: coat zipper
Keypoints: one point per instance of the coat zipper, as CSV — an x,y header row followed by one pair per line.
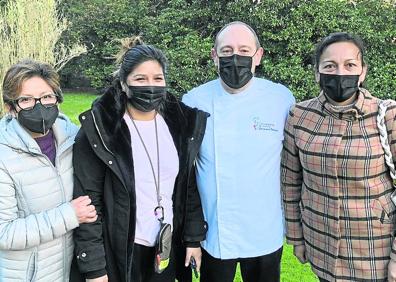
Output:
x,y
55,168
64,245
100,136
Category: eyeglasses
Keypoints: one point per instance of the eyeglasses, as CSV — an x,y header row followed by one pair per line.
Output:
x,y
48,100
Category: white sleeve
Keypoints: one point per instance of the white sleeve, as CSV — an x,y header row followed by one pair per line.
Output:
x,y
18,233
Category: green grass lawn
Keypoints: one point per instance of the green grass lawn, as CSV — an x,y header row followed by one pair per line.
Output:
x,y
292,270
76,103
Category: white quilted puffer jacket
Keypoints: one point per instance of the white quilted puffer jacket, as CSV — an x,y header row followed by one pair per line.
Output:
x,y
36,217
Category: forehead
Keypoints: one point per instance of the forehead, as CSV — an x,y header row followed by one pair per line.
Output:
x,y
341,50
148,67
236,36
34,86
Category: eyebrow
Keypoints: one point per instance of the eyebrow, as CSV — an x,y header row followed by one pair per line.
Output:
x,y
332,61
226,46
144,75
246,46
31,95
239,47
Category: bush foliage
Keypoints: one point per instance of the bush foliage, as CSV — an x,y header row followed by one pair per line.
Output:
x,y
32,29
185,30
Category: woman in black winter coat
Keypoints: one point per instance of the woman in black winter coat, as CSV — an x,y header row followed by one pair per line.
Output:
x,y
134,157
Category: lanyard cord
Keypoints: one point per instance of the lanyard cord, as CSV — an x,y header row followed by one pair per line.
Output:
x,y
156,179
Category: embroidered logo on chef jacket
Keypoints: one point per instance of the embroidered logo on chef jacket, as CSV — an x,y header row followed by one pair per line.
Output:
x,y
258,124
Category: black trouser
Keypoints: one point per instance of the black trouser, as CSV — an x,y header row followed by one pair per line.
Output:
x,y
143,266
257,269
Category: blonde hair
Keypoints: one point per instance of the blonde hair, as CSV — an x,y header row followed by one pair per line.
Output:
x,y
127,44
132,53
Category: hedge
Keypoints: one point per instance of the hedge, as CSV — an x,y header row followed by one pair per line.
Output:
x,y
288,31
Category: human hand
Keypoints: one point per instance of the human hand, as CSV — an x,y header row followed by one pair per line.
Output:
x,y
85,212
103,278
196,254
392,271
300,253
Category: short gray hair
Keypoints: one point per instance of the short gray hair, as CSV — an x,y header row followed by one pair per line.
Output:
x,y
236,23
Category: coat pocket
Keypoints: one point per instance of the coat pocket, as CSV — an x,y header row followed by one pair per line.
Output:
x,y
383,209
303,199
31,269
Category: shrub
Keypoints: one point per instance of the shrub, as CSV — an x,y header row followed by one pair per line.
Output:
x,y
31,29
185,30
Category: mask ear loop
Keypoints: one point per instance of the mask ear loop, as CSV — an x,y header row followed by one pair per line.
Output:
x,y
125,88
255,53
363,65
13,112
361,83
13,106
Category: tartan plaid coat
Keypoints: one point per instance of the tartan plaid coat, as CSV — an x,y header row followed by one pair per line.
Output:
x,y
336,188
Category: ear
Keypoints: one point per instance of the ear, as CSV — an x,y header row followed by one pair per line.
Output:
x,y
317,76
257,57
362,76
214,57
124,87
7,107
10,109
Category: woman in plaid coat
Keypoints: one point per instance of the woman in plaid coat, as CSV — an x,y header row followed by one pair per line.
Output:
x,y
335,182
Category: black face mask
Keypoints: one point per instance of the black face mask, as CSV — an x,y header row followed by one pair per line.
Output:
x,y
235,70
38,119
339,88
146,98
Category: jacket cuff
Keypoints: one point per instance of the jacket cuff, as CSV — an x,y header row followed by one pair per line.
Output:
x,y
69,216
91,259
195,231
192,244
95,274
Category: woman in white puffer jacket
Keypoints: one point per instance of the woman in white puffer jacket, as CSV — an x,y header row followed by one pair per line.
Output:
x,y
37,213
